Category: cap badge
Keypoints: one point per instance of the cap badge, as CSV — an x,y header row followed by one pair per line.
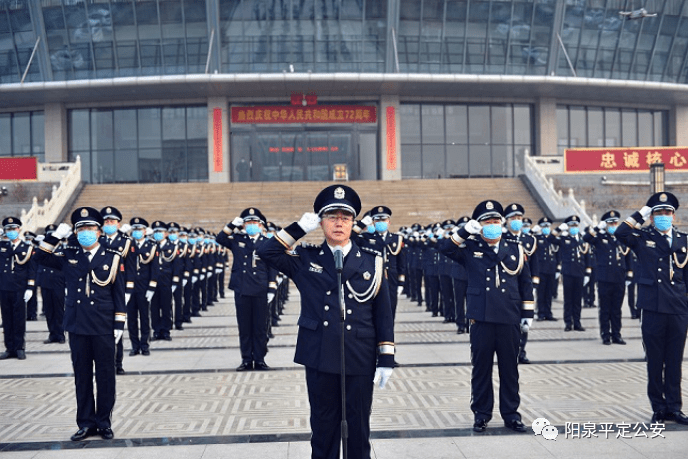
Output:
x,y
84,212
339,193
136,221
10,220
663,197
251,211
489,205
612,214
379,209
513,206
108,210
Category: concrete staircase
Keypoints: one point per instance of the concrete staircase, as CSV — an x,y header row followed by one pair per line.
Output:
x,y
20,196
211,206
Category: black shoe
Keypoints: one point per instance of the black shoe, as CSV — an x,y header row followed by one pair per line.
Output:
x,y
167,337
678,417
447,320
579,328
83,433
245,366
271,335
460,331
523,360
185,320
145,352
434,313
62,340
204,309
515,425
635,316
32,318
120,371
540,319
21,354
658,417
552,318
261,366
619,341
607,342
6,355
480,425
154,337
134,352
195,315
179,328
106,433
568,328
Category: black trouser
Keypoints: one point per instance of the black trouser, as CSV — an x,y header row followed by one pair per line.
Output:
x,y
544,295
631,301
573,291
178,305
447,290
418,288
161,311
589,291
486,340
393,283
188,302
325,397
252,319
13,310
460,287
522,342
138,310
88,350
611,297
211,287
221,283
664,339
53,307
432,293
203,293
119,354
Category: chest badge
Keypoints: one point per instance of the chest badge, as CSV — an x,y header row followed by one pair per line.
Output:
x,y
73,262
478,255
315,268
242,245
650,244
513,257
366,276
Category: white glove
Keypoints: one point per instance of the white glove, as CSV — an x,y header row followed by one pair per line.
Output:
x,y
586,280
367,220
27,295
628,283
564,227
149,295
238,222
536,229
602,225
564,233
525,324
271,296
382,374
473,227
416,234
62,231
118,335
40,238
149,231
400,289
309,222
194,279
202,277
125,228
127,297
218,271
557,275
184,282
174,288
440,233
645,211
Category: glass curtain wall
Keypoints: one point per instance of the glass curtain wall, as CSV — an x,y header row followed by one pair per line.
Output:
x,y
22,134
464,140
610,127
151,144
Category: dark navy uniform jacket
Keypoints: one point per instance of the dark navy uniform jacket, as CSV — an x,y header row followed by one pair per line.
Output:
x,y
547,255
49,278
660,272
169,266
123,244
368,322
529,244
430,259
17,267
575,256
94,301
145,266
499,289
250,274
395,257
613,258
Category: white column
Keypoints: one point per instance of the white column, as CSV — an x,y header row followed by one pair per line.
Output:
x,y
390,142
56,147
678,126
546,127
218,140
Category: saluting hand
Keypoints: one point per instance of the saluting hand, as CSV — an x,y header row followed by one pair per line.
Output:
x,y
238,222
473,227
309,222
62,231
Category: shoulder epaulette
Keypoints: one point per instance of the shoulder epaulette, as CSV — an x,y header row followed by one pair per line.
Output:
x,y
371,251
113,251
308,245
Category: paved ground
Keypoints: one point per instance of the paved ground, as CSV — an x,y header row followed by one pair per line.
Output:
x,y
186,401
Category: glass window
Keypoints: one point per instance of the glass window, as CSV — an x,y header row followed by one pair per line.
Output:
x,y
562,129
21,134
150,128
502,161
659,131
595,127
578,127
126,166
101,129
457,124
645,129
197,122
241,157
457,161
411,164
523,133
629,128
479,124
125,129
480,161
612,128
433,162
5,138
410,120
432,124
500,121
38,134
79,133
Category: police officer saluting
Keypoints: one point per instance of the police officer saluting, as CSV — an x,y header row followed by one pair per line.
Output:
x,y
95,314
367,319
548,267
661,275
145,281
575,267
499,305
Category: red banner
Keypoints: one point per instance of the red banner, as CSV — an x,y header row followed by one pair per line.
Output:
x,y
316,114
16,168
217,139
391,139
625,159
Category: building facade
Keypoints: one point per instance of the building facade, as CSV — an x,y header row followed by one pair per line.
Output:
x,y
297,90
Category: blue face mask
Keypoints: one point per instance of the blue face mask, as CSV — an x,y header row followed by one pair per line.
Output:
x,y
526,230
182,239
516,225
545,231
206,241
611,230
158,236
137,234
492,231
87,238
192,240
12,235
573,231
109,229
663,223
252,229
173,237
371,229
381,226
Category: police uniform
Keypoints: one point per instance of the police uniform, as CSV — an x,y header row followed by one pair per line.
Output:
x,y
52,286
661,276
431,276
94,309
394,253
613,269
252,280
367,323
548,265
499,300
17,282
32,304
460,281
575,267
198,274
446,282
182,309
169,269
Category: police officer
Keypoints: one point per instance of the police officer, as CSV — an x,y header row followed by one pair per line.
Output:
x,y
431,274
548,267
32,304
446,281
168,276
366,319
394,253
145,281
499,304
460,281
575,269
250,281
17,287
95,314
661,273
613,268
52,286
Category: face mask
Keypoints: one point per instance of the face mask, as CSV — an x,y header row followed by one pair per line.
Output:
x,y
183,240
573,231
526,230
173,237
270,235
252,229
206,241
12,235
492,231
545,231
137,234
663,223
158,236
192,240
516,225
611,230
87,238
371,228
381,226
109,229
